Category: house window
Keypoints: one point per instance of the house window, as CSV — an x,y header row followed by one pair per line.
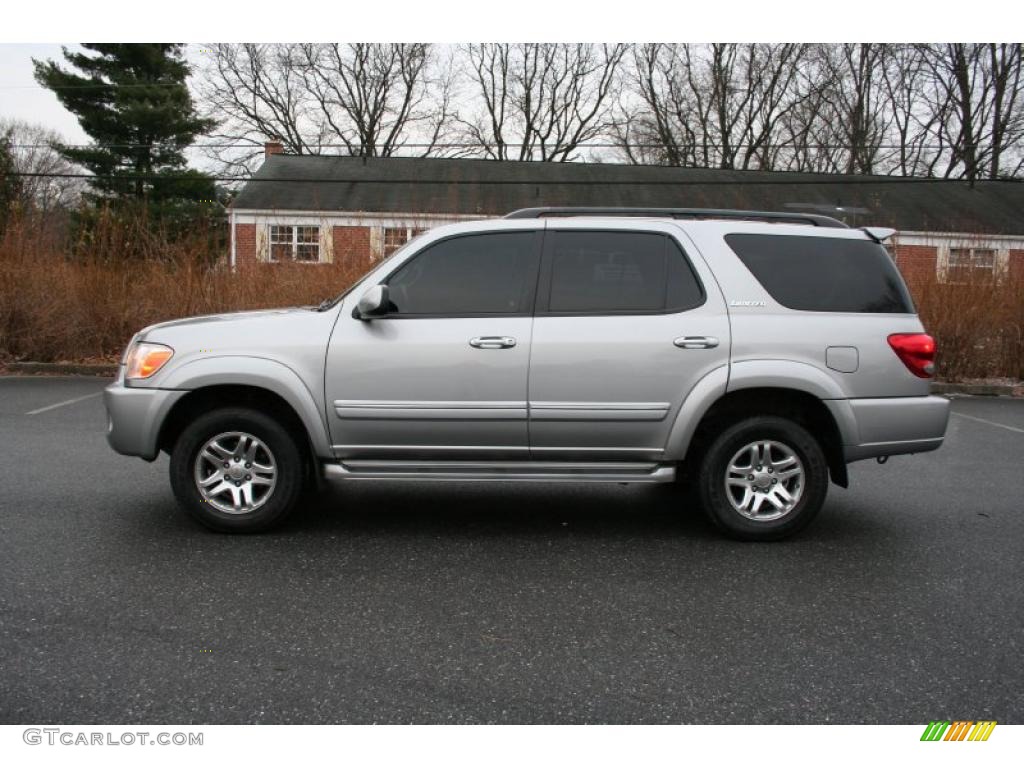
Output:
x,y
396,237
294,243
966,265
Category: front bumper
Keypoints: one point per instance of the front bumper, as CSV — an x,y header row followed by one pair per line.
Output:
x,y
134,417
888,426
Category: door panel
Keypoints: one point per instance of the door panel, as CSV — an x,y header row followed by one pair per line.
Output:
x,y
610,385
401,388
444,374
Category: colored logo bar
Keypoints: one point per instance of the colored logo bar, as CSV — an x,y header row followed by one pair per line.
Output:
x,y
958,730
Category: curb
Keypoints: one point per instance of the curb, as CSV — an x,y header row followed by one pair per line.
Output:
x,y
63,369
977,390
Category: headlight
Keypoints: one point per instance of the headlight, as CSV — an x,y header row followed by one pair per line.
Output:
x,y
145,359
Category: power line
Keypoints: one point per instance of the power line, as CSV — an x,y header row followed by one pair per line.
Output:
x,y
95,85
828,180
471,145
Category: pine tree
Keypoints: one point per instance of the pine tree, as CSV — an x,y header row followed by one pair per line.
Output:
x,y
133,101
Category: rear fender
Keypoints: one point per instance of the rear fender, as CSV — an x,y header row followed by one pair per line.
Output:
x,y
706,392
753,374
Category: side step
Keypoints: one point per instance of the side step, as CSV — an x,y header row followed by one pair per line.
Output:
x,y
474,471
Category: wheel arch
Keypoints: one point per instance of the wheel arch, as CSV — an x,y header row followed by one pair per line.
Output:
x,y
262,384
799,405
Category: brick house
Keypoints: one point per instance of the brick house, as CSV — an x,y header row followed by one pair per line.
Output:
x,y
328,209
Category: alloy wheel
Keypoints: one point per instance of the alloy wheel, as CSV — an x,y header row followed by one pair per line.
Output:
x,y
764,480
235,472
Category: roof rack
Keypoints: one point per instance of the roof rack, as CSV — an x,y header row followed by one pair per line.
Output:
x,y
814,219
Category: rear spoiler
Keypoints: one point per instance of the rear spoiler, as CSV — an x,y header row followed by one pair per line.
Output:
x,y
878,234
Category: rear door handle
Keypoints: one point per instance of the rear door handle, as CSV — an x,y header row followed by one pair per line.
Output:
x,y
696,342
492,342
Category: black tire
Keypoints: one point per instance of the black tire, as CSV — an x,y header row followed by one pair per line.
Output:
x,y
287,454
714,465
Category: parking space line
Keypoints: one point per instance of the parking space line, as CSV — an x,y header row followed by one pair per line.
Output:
x,y
62,404
990,423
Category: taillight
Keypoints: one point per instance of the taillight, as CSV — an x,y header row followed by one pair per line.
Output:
x,y
917,351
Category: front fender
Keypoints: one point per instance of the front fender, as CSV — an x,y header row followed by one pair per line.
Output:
x,y
260,372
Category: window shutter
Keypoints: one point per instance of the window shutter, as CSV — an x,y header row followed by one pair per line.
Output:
x,y
326,243
376,243
262,240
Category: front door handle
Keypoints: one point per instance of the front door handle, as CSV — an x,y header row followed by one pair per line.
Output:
x,y
492,342
696,342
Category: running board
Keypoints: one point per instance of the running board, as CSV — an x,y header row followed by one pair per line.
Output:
x,y
472,471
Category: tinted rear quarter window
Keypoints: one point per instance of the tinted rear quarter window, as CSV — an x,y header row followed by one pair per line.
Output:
x,y
824,274
600,272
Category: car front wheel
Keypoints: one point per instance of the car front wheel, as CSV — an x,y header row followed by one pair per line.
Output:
x,y
237,470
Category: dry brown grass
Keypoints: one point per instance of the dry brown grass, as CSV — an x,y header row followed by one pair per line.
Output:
x,y
978,326
85,302
59,303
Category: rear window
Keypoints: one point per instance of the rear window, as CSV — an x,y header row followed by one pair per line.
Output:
x,y
824,274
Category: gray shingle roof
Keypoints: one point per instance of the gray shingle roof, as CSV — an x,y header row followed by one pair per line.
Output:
x,y
461,186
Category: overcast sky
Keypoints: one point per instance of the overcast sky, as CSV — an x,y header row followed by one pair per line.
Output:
x,y
22,98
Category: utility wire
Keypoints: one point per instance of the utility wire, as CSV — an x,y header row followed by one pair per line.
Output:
x,y
455,145
827,180
96,85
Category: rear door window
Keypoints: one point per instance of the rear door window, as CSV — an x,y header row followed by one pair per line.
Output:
x,y
824,274
600,272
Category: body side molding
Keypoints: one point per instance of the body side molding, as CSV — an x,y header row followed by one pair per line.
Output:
x,y
430,409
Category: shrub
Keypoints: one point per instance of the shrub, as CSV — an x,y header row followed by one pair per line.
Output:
x,y
978,326
85,302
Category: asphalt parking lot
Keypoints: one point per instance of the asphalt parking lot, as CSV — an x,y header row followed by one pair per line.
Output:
x,y
438,603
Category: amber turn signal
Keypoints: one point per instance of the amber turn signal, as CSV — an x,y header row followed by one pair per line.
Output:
x,y
145,359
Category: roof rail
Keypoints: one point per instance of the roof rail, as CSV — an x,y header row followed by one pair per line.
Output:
x,y
813,219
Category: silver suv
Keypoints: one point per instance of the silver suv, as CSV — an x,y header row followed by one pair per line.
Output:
x,y
753,355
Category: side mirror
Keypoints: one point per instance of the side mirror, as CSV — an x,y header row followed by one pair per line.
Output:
x,y
374,303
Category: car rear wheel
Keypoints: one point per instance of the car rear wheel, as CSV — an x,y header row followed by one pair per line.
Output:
x,y
763,478
237,470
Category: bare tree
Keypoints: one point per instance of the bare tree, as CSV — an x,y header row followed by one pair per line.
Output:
x,y
719,105
255,92
659,125
372,97
978,86
953,110
539,101
905,80
852,109
365,99
33,152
